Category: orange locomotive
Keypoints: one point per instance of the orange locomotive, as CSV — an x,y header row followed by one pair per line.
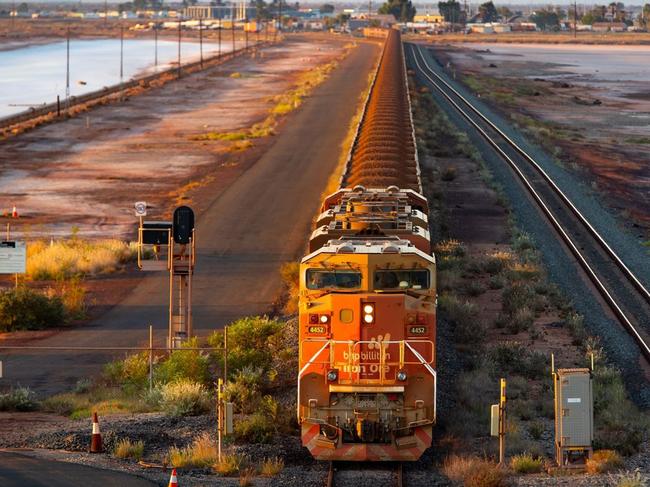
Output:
x,y
367,377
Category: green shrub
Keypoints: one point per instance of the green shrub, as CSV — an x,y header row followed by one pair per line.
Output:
x,y
619,425
631,480
516,297
525,463
184,397
514,358
536,430
256,428
252,342
19,399
520,320
130,373
125,448
463,316
185,364
245,390
27,309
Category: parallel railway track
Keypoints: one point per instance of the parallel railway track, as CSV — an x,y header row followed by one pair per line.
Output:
x,y
393,475
623,292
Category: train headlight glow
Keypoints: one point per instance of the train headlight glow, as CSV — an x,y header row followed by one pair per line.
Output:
x,y
368,313
332,375
401,375
324,319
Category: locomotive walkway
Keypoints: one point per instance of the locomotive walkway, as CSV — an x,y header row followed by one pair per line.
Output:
x,y
261,221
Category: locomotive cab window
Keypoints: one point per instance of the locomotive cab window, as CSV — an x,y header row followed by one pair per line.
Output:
x,y
396,279
329,279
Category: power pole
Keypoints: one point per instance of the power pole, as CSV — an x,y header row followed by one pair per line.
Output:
x,y
121,60
179,47
369,11
201,40
280,15
105,13
67,71
155,43
219,36
575,19
232,28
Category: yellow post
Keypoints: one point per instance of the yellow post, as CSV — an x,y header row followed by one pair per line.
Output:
x,y
502,422
219,416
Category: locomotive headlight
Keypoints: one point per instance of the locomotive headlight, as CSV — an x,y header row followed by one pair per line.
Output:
x,y
368,313
401,375
324,319
332,375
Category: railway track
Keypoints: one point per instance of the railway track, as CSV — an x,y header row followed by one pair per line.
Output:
x,y
621,290
338,471
383,152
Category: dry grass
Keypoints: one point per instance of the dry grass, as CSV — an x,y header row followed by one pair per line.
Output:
x,y
125,448
474,472
631,480
289,272
200,454
603,461
272,466
75,257
184,397
246,477
229,465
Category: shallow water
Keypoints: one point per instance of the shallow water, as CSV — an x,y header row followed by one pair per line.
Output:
x,y
596,63
37,74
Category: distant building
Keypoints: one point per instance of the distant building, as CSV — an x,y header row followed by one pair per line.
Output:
x,y
609,27
209,12
429,19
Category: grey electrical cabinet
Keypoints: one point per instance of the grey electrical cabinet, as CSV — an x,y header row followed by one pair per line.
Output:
x,y
574,416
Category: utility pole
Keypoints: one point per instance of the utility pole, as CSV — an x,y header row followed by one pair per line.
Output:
x,y
67,72
155,43
245,30
280,15
232,28
179,47
105,13
201,40
575,19
369,11
219,35
121,61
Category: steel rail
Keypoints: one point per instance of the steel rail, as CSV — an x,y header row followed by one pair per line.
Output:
x,y
602,288
565,199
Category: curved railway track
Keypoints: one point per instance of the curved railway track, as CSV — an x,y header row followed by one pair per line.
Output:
x,y
394,475
623,292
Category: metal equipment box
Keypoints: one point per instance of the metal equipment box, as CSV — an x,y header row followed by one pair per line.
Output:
x,y
574,416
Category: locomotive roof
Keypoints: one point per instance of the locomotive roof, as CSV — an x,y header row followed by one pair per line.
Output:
x,y
357,246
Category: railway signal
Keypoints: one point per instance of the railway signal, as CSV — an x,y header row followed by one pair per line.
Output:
x,y
165,245
498,421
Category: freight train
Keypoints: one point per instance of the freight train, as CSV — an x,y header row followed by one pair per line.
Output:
x,y
367,305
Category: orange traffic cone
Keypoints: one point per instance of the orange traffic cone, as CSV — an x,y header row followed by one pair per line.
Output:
x,y
173,481
96,439
14,212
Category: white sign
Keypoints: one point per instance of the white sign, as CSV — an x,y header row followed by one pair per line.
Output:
x,y
141,208
13,257
574,400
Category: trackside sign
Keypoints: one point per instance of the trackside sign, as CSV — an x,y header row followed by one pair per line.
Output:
x,y
13,258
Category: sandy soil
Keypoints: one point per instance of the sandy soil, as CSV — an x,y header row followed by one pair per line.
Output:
x,y
594,101
88,171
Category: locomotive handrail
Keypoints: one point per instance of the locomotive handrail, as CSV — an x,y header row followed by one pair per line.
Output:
x,y
354,362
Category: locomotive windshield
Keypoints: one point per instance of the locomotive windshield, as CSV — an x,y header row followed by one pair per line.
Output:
x,y
331,279
395,279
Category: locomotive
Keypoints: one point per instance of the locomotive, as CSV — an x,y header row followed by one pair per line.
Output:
x,y
367,304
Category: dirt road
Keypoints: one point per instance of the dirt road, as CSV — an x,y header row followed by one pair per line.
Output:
x,y
260,220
